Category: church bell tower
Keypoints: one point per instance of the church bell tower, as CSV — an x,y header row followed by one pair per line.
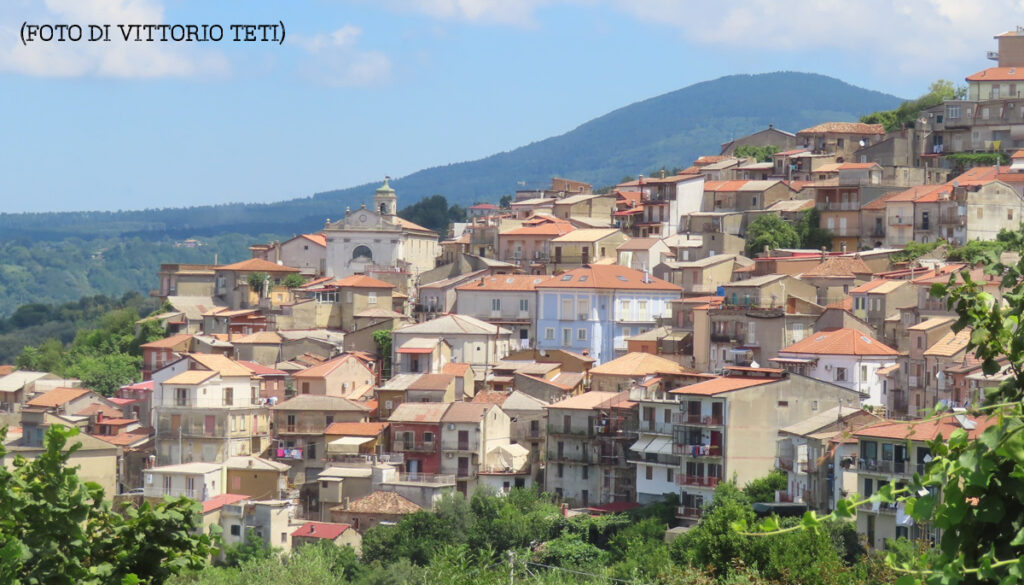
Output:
x,y
385,202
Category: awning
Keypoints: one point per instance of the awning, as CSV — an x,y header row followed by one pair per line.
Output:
x,y
347,445
640,446
783,360
660,445
415,350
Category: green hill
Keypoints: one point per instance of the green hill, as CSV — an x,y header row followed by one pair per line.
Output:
x,y
668,130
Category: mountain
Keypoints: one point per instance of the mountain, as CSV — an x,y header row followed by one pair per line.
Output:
x,y
669,130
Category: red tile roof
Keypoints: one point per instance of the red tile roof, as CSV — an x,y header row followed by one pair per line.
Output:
x,y
998,74
257,265
318,239
4,370
218,502
325,368
490,397
381,502
844,128
326,530
483,206
361,280
404,223
722,384
839,267
511,282
261,370
924,430
608,277
455,369
879,204
840,342
58,396
169,342
975,177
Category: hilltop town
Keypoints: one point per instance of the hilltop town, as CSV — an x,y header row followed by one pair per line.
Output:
x,y
767,307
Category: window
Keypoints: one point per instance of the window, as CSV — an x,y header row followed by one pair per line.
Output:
x,y
863,373
495,304
669,476
1009,214
428,437
953,112
566,336
311,451
995,93
181,396
642,308
566,310
581,334
560,470
649,472
524,304
371,298
284,537
229,396
586,472
840,374
583,307
668,416
549,333
980,214
236,530
624,309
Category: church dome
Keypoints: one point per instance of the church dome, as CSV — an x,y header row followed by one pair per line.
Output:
x,y
385,188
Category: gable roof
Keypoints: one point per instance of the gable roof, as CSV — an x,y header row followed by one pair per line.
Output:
x,y
58,396
326,368
408,225
951,344
257,265
168,342
844,128
325,530
586,235
218,502
510,282
638,364
419,412
432,382
219,363
586,401
839,267
840,342
452,323
879,286
190,378
924,430
722,384
260,337
997,74
608,276
639,244
381,502
319,402
466,412
361,280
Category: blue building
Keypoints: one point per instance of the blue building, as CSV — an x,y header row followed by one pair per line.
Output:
x,y
595,308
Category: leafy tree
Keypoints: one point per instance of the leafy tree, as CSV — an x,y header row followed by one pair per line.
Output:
x,y
772,231
105,373
914,250
256,281
715,541
55,528
382,339
759,153
433,213
909,111
977,251
505,202
293,280
763,489
812,235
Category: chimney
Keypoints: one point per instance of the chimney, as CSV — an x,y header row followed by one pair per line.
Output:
x,y
312,528
842,247
823,253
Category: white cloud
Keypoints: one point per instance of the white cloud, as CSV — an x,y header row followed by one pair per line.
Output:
x,y
338,61
505,12
103,59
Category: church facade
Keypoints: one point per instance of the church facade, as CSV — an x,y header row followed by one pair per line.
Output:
x,y
377,239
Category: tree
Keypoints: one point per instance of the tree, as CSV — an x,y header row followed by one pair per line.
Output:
x,y
812,235
293,280
759,153
382,338
715,542
257,280
505,202
763,489
55,528
909,111
769,230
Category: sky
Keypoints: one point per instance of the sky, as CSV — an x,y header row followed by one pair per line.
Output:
x,y
360,89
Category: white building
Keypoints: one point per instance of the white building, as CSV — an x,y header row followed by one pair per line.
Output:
x,y
505,300
844,357
377,238
472,341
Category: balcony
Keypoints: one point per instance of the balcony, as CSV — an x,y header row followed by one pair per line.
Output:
x,y
900,221
784,463
556,430
890,467
951,219
159,492
302,428
465,473
415,446
697,480
421,478
684,418
689,512
582,457
696,451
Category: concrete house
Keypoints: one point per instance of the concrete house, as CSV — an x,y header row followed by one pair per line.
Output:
x,y
299,427
581,247
344,376
232,283
642,253
469,432
504,300
472,341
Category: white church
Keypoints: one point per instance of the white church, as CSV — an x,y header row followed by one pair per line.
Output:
x,y
377,239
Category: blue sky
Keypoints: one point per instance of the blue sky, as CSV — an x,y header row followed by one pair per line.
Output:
x,y
366,88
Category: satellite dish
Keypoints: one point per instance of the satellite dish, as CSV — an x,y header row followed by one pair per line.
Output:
x,y
862,143
543,353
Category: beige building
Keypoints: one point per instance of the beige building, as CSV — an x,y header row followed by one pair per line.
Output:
x,y
307,252
584,246
232,287
472,341
585,205
621,373
469,431
344,376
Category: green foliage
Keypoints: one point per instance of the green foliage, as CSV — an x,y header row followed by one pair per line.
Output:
x,y
977,251
505,201
760,153
433,213
382,339
55,528
253,548
914,250
257,281
763,489
907,114
962,161
293,280
812,235
772,231
715,542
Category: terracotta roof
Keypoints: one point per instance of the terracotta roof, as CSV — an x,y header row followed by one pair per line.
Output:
x,y
432,382
451,324
844,128
586,235
975,177
951,344
932,323
262,337
257,265
879,286
490,397
455,369
608,277
998,74
518,282
318,239
113,415
406,224
218,502
638,364
325,530
483,206
723,186
219,363
879,204
261,370
190,378
361,280
722,384
840,342
356,429
314,402
839,267
381,503
791,152
58,396
430,412
924,430
639,244
123,439
586,401
466,412
326,368
169,342
4,370
846,304
541,225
